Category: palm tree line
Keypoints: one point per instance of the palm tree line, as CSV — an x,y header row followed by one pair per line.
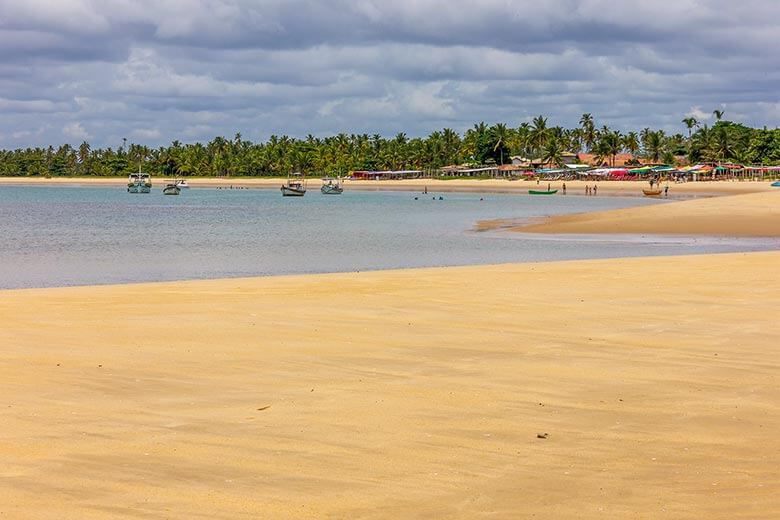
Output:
x,y
481,144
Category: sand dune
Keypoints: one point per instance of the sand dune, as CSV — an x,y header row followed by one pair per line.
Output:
x,y
402,394
751,215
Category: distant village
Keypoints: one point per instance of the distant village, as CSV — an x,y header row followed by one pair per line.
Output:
x,y
585,166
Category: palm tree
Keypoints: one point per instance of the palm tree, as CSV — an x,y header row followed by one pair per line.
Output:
x,y
718,114
586,120
690,123
588,130
500,135
644,135
721,144
610,145
451,145
553,152
83,158
654,145
523,134
631,143
539,132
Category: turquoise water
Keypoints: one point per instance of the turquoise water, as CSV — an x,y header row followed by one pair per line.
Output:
x,y
54,236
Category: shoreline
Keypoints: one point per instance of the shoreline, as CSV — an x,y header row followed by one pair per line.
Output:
x,y
432,385
746,215
574,188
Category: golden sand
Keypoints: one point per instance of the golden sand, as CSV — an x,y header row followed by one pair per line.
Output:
x,y
400,394
751,215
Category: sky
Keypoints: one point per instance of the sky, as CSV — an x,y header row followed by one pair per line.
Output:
x,y
153,71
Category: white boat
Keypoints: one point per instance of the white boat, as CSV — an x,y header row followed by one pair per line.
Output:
x,y
331,186
139,182
182,184
295,186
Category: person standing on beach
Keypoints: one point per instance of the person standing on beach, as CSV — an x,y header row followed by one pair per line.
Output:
x,y
564,188
595,188
587,190
666,190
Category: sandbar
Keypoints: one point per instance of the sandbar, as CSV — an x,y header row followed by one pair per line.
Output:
x,y
749,215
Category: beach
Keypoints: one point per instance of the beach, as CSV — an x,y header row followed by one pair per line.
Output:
x,y
750,215
573,188
414,393
618,388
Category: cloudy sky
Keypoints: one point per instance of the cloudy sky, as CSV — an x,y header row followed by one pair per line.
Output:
x,y
157,70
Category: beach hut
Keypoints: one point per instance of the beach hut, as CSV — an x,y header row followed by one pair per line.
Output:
x,y
518,160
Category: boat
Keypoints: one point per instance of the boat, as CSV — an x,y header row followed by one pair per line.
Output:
x,y
542,192
172,188
776,184
295,186
652,193
139,182
181,183
331,186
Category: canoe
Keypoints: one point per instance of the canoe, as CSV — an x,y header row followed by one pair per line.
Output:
x,y
542,192
652,193
776,184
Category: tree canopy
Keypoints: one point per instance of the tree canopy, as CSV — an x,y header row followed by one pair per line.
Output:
x,y
725,141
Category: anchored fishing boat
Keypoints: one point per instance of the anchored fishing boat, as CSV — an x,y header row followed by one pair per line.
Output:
x,y
652,193
171,189
331,186
295,186
542,192
139,182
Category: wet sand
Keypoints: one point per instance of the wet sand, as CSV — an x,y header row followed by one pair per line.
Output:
x,y
751,215
400,394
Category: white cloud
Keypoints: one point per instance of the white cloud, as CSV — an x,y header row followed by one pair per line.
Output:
x,y
174,69
699,114
198,131
147,133
427,101
328,107
30,105
75,131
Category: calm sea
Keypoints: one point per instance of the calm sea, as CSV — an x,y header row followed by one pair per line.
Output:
x,y
55,236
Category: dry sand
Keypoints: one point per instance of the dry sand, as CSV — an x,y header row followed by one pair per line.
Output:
x,y
400,394
622,188
752,215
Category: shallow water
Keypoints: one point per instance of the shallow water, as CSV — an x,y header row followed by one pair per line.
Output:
x,y
54,236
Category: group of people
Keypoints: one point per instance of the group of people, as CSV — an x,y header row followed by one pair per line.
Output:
x,y
591,191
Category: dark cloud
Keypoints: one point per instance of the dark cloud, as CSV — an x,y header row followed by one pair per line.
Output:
x,y
154,71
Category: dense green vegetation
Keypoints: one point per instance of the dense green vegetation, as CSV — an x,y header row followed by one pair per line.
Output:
x,y
724,141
